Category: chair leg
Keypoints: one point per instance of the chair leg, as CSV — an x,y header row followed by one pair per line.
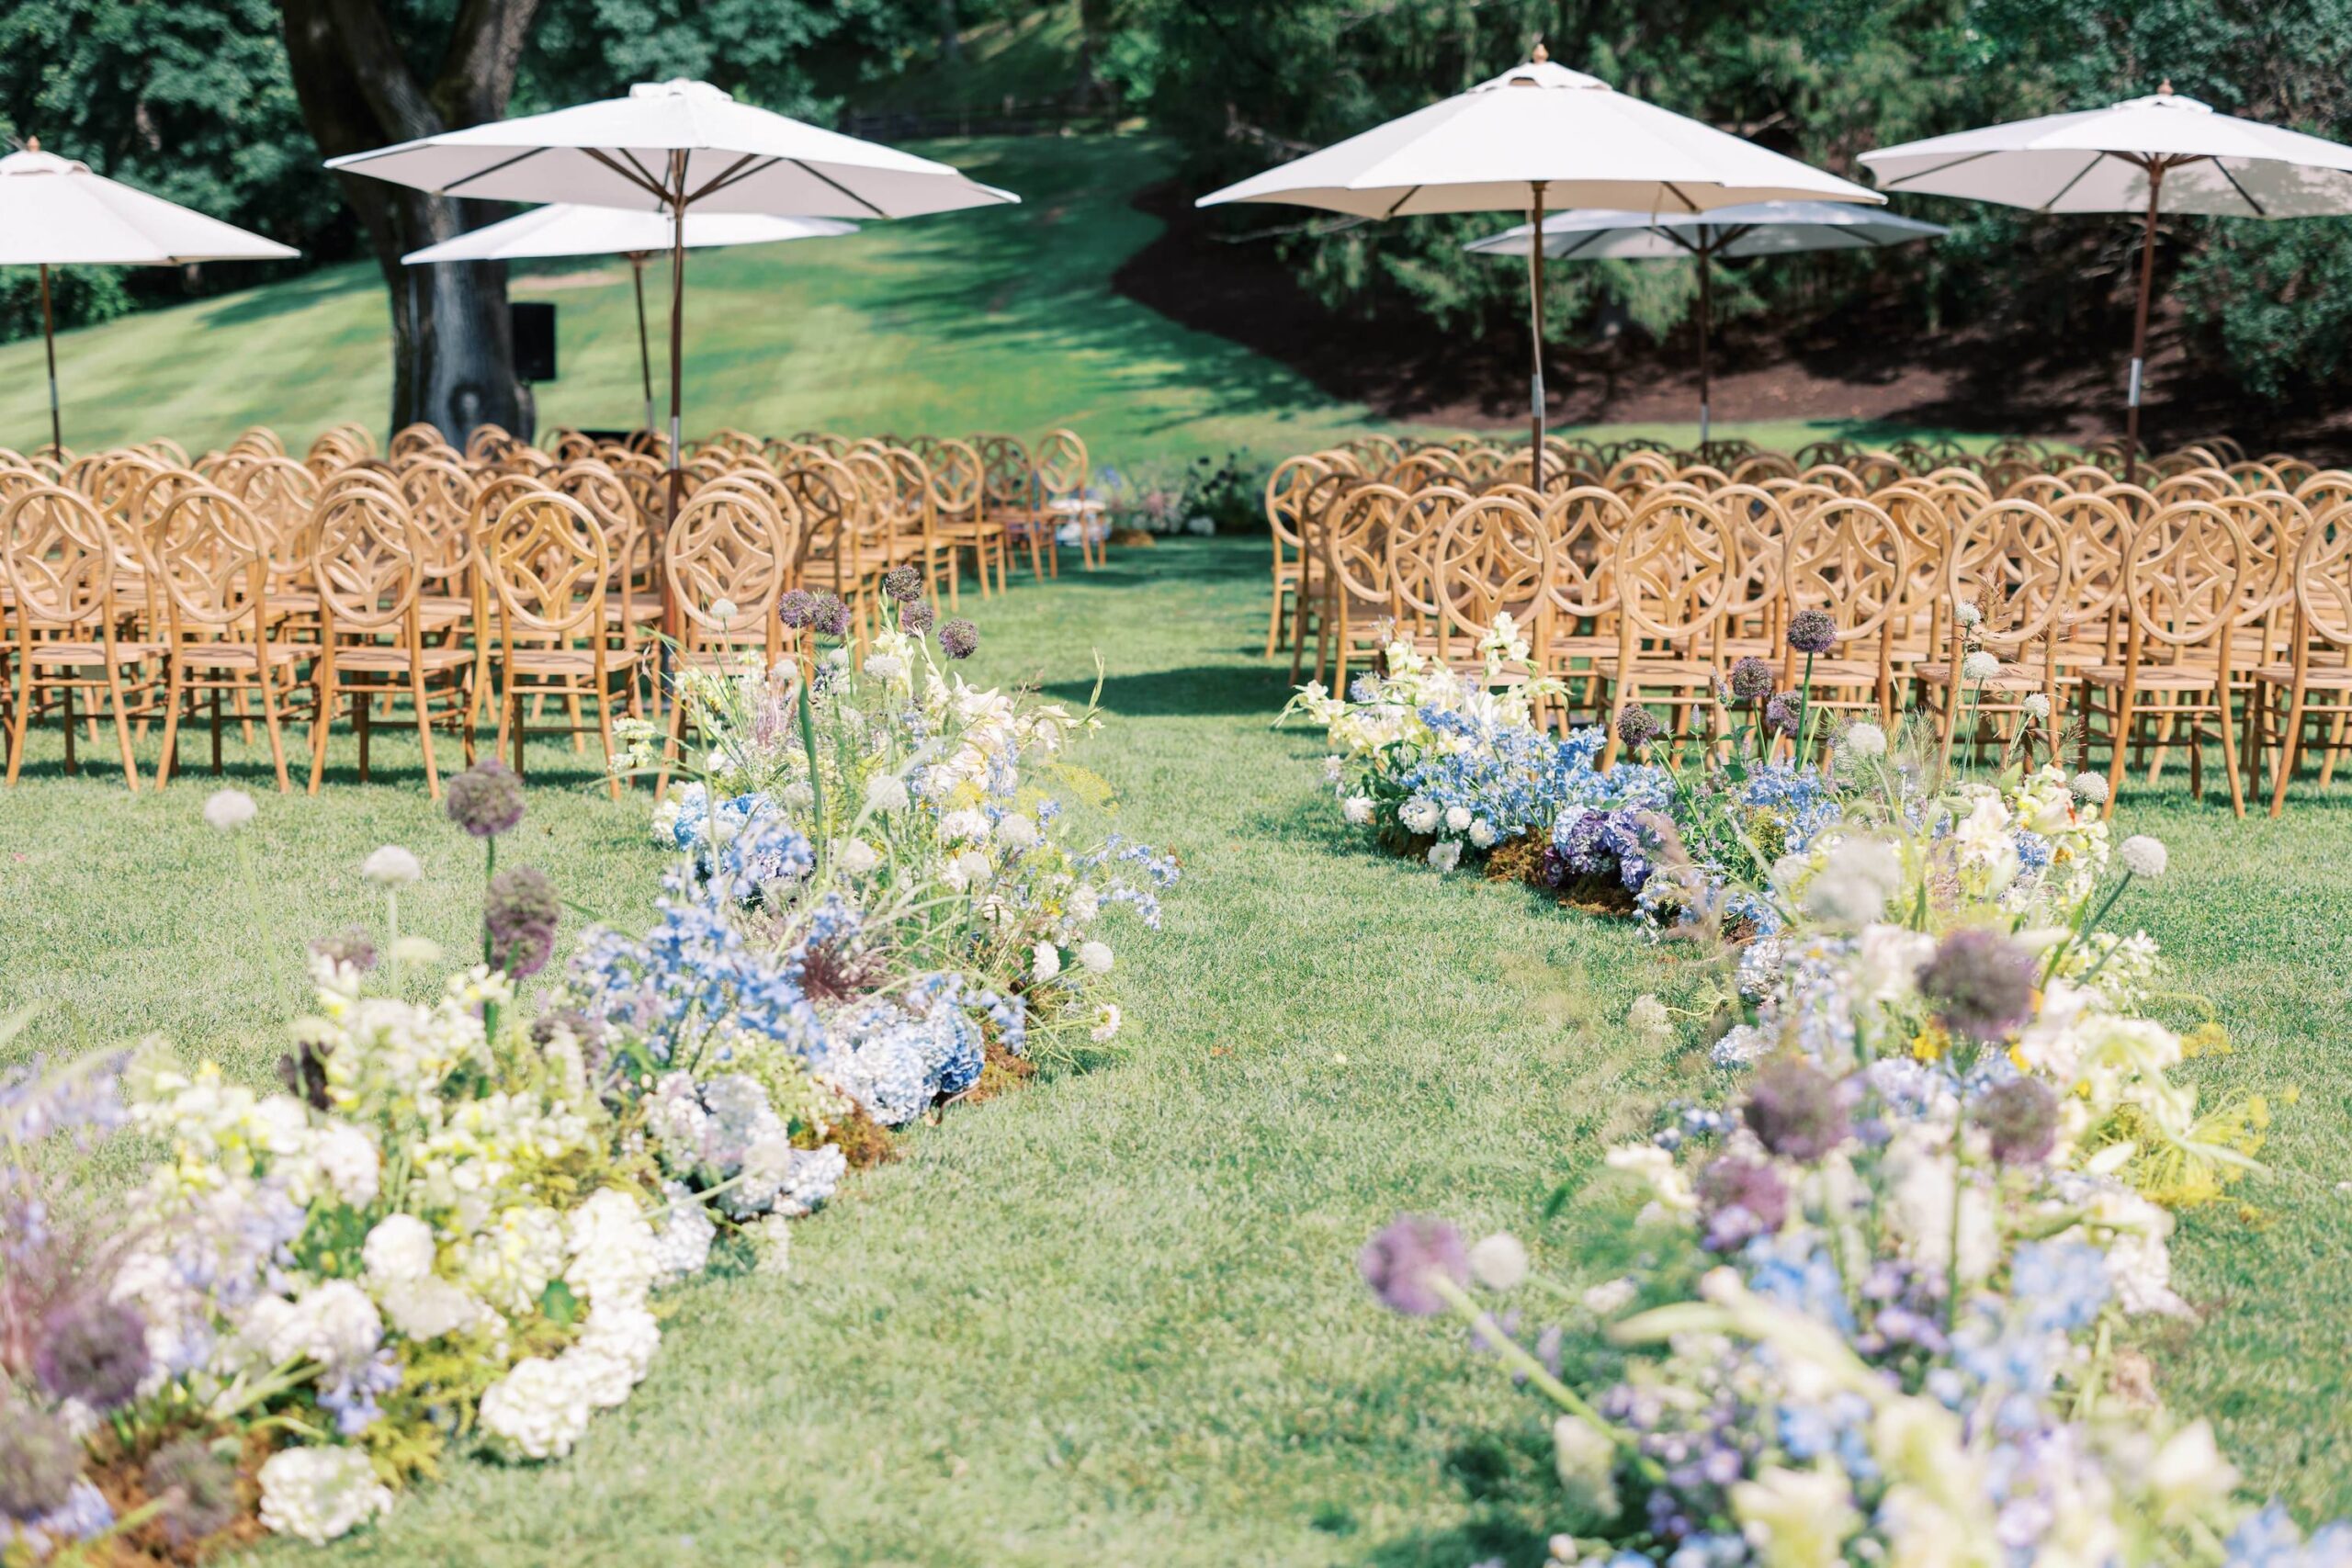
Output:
x,y
605,730
2290,740
21,717
277,737
169,763
425,731
322,716
363,704
2122,728
65,692
2230,753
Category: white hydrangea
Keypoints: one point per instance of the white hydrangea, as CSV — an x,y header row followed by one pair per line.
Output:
x,y
1095,957
615,1349
1356,810
1457,818
681,1246
1045,962
2144,856
317,1494
885,792
613,1257
540,1409
1445,856
392,866
429,1308
334,1324
347,1158
398,1250
226,811
772,1239
510,1261
1420,814
1482,834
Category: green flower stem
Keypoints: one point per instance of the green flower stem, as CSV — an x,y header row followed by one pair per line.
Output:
x,y
808,745
1516,1357
1804,706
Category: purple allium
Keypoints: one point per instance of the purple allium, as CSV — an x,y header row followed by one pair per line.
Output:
x,y
520,912
916,618
1979,983
1811,631
93,1352
1795,1109
1637,726
903,583
1780,714
1397,1262
1751,681
486,799
303,1071
2020,1117
353,947
797,608
1742,1199
40,1461
201,1487
832,618
958,638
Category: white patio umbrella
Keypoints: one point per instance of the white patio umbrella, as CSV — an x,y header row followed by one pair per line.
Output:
x,y
1539,132
1754,229
568,228
2161,153
669,147
55,213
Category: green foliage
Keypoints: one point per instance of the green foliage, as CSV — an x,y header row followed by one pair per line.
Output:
x,y
78,297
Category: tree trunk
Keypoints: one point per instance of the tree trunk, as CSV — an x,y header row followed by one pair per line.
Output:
x,y
453,352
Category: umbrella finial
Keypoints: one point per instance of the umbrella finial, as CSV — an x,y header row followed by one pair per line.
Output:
x,y
2164,88
1540,54
32,143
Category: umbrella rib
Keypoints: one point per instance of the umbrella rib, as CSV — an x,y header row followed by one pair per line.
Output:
x,y
1588,237
728,176
819,174
2244,194
452,187
1940,168
1688,205
1412,191
633,173
2080,175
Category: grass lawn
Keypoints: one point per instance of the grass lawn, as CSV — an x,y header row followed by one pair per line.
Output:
x,y
1113,1319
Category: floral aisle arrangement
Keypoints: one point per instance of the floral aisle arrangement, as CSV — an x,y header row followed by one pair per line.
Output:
x,y
444,1233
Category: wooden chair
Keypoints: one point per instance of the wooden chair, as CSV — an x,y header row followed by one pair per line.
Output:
x,y
1677,574
212,560
58,565
2313,690
727,560
1063,475
548,567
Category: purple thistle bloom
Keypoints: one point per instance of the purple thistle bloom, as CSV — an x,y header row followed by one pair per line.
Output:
x,y
93,1353
1742,1199
1397,1262
353,947
40,1461
1811,631
1751,681
201,1487
2020,1117
1780,714
1795,1109
1979,982
833,618
520,912
916,618
797,608
486,799
903,583
1637,726
959,639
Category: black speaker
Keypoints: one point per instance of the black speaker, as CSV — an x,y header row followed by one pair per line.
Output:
x,y
534,327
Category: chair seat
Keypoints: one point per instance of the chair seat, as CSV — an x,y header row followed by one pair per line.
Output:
x,y
2014,678
1843,671
643,612
567,660
2322,677
372,661
1667,672
293,601
72,654
237,655
2155,677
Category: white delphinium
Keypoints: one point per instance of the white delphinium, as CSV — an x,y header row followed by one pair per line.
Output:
x,y
1499,1262
1095,957
2144,856
2089,789
1457,818
1356,809
226,811
1445,856
316,1495
1107,1018
1864,739
540,1409
1045,962
347,1158
1980,666
885,792
392,866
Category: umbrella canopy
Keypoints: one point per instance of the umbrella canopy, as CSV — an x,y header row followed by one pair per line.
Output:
x,y
567,229
2164,152
667,147
1538,133
55,213
1754,229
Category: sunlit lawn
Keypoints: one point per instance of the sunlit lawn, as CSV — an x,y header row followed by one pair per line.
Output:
x,y
1113,1319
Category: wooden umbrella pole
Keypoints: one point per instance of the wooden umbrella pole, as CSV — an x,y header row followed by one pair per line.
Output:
x,y
1535,322
677,366
1706,316
2155,167
637,260
49,341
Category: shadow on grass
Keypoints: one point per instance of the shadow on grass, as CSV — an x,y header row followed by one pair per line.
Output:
x,y
1507,1478
1200,690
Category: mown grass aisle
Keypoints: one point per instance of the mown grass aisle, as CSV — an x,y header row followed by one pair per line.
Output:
x,y
1114,1318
